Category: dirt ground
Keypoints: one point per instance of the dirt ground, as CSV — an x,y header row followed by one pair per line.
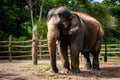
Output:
x,y
24,70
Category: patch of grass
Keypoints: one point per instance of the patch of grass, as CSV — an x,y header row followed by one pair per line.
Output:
x,y
36,66
111,59
117,59
40,68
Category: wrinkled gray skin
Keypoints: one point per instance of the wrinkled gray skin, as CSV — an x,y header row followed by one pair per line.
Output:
x,y
79,31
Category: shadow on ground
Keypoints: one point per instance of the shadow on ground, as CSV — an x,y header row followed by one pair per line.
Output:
x,y
10,76
105,72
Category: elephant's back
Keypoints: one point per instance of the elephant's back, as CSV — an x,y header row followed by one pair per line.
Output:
x,y
85,16
93,29
91,23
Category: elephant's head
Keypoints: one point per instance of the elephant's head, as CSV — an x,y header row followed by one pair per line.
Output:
x,y
61,22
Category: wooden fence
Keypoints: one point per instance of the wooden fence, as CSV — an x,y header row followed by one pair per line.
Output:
x,y
112,50
22,47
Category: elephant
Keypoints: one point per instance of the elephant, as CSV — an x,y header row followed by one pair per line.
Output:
x,y
76,31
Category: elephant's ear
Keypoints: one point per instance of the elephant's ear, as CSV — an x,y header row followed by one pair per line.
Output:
x,y
75,23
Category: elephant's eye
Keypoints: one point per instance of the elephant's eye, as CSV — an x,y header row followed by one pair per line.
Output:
x,y
65,24
62,16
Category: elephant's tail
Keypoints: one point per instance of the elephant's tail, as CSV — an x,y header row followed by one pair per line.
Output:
x,y
105,56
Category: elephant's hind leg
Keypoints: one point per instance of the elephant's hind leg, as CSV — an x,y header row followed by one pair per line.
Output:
x,y
87,58
95,52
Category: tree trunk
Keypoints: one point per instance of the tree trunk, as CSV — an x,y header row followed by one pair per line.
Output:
x,y
34,35
34,46
41,9
31,12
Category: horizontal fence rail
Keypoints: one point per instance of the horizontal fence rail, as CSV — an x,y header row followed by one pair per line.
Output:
x,y
111,49
10,49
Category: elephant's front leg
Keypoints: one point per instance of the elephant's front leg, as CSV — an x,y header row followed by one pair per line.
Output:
x,y
74,59
63,50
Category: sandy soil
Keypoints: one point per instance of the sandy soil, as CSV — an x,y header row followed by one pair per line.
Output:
x,y
24,70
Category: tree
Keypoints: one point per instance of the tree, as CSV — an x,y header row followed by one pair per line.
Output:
x,y
114,8
13,14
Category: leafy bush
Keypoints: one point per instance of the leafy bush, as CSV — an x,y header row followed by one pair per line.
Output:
x,y
42,29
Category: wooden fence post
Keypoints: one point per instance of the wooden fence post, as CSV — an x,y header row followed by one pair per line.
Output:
x,y
40,48
9,48
34,45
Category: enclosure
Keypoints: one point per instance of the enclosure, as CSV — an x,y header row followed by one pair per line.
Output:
x,y
18,53
21,67
24,70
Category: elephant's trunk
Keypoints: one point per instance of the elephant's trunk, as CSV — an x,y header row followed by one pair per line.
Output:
x,y
52,53
52,37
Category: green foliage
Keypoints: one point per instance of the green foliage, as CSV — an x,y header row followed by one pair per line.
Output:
x,y
27,29
3,36
95,11
22,38
42,29
112,40
15,16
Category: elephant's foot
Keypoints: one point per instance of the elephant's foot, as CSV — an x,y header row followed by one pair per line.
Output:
x,y
55,69
65,71
74,71
95,67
